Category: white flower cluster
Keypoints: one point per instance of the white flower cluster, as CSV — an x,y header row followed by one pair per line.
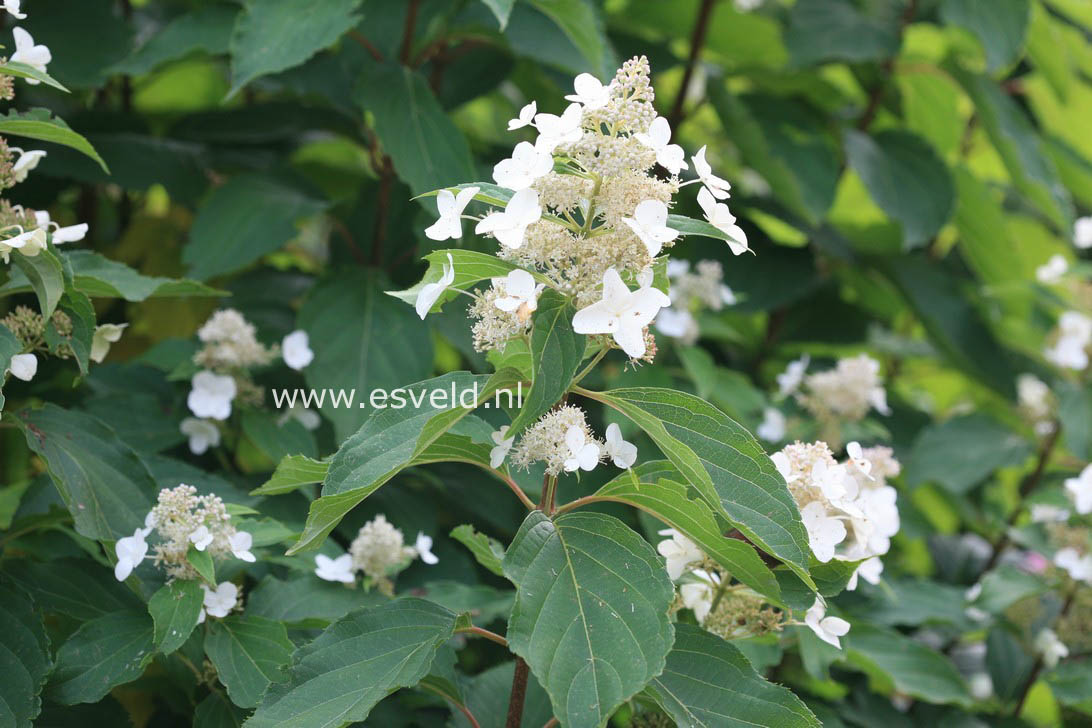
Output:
x,y
1082,233
181,519
230,349
692,291
847,392
848,509
586,212
379,552
1071,342
563,440
1035,402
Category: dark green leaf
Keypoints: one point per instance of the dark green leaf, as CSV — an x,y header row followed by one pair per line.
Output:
x,y
962,452
909,666
46,278
207,29
293,472
106,652
1000,25
175,609
202,562
22,70
98,276
248,653
24,658
40,124
487,551
828,30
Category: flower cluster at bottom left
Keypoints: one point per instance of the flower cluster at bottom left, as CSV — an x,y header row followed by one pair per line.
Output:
x,y
184,523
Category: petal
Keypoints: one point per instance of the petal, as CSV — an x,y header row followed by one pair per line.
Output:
x,y
595,319
632,340
445,202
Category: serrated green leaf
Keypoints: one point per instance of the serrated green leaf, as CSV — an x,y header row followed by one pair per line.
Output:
x,y
202,562
248,653
354,663
591,612
40,124
292,473
24,658
724,463
708,683
486,551
100,277
175,609
106,652
556,353
72,587
46,277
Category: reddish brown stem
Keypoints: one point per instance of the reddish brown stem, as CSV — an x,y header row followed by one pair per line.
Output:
x,y
519,694
697,40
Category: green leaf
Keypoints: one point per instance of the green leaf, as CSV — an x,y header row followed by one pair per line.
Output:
x,y
273,35
579,22
828,30
278,440
487,693
556,353
962,452
708,682
106,652
86,38
1008,663
690,226
24,658
830,580
906,178
661,493
426,147
909,666
292,473
1006,585
356,323
72,587
202,562
591,612
392,439
1074,412
9,347
1071,683
22,70
486,551
207,29
175,609
248,653
40,124
81,314
46,278
471,268
1000,25
724,463
242,220
340,676
500,8
216,711
306,602
103,482
100,277
1018,144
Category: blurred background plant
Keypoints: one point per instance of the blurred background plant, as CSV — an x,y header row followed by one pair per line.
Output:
x,y
913,176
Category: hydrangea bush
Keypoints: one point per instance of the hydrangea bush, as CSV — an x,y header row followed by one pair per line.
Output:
x,y
407,375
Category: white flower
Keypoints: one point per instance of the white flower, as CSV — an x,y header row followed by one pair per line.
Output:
x,y
61,235
149,523
553,131
1082,233
431,292
1050,647
649,223
980,685
12,6
679,551
211,395
623,454
583,455
339,569
423,546
1053,270
590,92
789,380
296,350
677,323
35,56
450,208
856,456
882,516
717,187
1075,333
824,532
130,551
307,417
830,479
203,434
1077,566
105,334
520,293
1080,490
240,543
1047,513
23,366
870,569
621,313
526,164
698,595
719,217
828,629
26,163
509,227
29,243
219,603
669,156
503,445
525,118
781,462
201,537
772,427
